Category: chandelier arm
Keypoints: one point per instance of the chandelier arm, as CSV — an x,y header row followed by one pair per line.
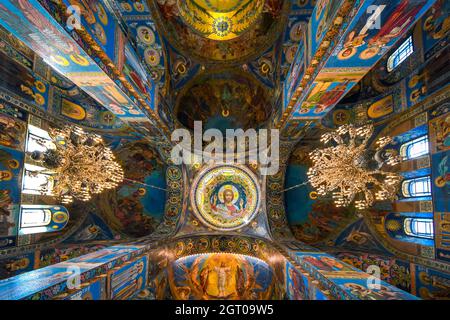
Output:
x,y
144,184
295,186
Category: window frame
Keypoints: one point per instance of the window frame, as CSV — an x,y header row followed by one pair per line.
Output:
x,y
408,193
407,146
400,54
410,227
28,168
41,134
46,221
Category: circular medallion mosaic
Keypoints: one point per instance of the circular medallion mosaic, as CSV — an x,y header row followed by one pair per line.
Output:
x,y
225,197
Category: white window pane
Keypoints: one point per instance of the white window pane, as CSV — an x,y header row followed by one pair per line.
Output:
x,y
415,148
420,186
34,182
421,227
38,139
36,143
38,132
33,230
35,217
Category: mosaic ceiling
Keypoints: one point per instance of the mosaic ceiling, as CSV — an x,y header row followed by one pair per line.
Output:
x,y
221,31
222,100
140,69
220,20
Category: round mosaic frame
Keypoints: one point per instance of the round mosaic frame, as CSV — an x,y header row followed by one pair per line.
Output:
x,y
210,181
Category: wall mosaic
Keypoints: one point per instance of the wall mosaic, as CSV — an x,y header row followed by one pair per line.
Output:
x,y
135,208
222,276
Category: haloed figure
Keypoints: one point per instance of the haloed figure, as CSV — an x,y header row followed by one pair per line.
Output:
x,y
222,273
227,208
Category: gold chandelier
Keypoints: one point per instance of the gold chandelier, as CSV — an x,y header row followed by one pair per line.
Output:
x,y
350,171
80,165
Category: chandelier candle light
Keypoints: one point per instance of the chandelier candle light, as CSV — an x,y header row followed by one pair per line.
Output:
x,y
81,165
350,171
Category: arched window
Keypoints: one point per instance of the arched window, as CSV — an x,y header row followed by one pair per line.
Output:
x,y
417,187
415,148
36,182
399,55
419,227
38,140
42,218
35,217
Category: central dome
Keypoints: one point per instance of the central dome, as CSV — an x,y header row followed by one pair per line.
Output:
x,y
220,20
225,197
214,31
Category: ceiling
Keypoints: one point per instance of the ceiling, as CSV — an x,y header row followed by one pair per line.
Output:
x,y
224,100
220,31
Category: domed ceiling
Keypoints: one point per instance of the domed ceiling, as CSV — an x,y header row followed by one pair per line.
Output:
x,y
220,20
221,31
228,100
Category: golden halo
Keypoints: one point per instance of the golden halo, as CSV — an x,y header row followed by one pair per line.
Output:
x,y
79,59
13,164
414,96
8,175
152,57
343,56
313,195
440,182
146,35
414,81
212,181
229,187
102,14
126,7
39,99
265,68
40,86
139,7
100,33
60,60
369,53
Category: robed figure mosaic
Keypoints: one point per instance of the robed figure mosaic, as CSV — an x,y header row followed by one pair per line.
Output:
x,y
225,197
